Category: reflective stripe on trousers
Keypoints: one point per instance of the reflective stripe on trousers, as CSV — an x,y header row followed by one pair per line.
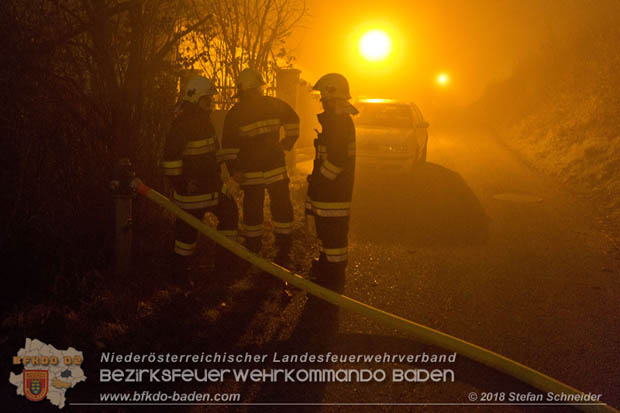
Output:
x,y
329,209
282,227
332,228
183,248
264,178
280,204
195,201
335,254
252,231
333,232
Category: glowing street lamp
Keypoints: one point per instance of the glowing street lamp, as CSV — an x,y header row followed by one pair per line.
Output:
x,y
442,79
375,45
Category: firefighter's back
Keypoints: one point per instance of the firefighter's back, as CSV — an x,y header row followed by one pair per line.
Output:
x,y
259,119
197,135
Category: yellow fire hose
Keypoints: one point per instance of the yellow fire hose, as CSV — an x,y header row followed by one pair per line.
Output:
x,y
425,334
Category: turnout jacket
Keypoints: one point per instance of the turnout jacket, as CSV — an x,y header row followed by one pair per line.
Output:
x,y
190,159
331,184
251,139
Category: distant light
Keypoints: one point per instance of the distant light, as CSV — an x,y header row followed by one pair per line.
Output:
x,y
443,79
374,100
375,45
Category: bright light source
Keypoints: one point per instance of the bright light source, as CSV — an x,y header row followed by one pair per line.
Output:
x,y
374,100
375,45
443,79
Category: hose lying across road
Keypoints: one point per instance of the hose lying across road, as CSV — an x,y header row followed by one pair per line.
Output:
x,y
425,334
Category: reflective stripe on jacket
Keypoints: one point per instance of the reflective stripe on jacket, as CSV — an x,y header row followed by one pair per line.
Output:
x,y
190,158
251,138
331,183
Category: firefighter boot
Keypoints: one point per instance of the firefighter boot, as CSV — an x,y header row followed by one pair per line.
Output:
x,y
318,274
178,271
253,244
317,269
283,243
333,276
226,261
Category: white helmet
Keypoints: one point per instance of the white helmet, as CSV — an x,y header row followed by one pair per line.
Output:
x,y
197,87
333,86
249,79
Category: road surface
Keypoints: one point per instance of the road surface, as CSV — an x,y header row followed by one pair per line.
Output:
x,y
475,244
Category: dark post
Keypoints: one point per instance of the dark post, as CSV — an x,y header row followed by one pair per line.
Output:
x,y
123,197
287,83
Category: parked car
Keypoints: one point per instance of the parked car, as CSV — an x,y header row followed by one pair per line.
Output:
x,y
391,135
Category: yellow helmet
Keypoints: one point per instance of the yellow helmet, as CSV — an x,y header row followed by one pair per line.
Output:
x,y
333,86
197,87
249,79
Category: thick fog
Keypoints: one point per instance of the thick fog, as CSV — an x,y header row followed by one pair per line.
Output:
x,y
476,42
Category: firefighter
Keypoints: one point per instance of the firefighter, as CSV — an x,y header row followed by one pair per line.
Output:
x,y
330,187
254,154
190,163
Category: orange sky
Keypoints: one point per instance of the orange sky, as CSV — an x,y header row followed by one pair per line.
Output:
x,y
475,41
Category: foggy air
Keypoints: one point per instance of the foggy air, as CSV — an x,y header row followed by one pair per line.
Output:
x,y
367,195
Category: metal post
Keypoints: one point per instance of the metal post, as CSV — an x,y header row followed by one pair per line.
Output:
x,y
287,83
123,199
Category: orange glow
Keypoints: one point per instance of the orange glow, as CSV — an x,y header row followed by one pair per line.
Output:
x,y
443,79
375,100
375,45
474,44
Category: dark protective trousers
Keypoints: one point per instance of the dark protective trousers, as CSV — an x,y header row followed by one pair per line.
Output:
x,y
281,214
227,214
333,233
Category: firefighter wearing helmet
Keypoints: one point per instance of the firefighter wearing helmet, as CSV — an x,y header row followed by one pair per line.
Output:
x,y
190,163
330,187
254,154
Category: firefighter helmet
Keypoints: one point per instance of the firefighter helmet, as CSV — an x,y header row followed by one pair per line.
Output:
x,y
333,86
249,79
197,87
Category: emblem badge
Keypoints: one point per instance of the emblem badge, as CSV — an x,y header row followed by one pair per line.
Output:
x,y
35,384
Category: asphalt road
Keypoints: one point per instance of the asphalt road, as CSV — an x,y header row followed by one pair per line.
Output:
x,y
475,244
